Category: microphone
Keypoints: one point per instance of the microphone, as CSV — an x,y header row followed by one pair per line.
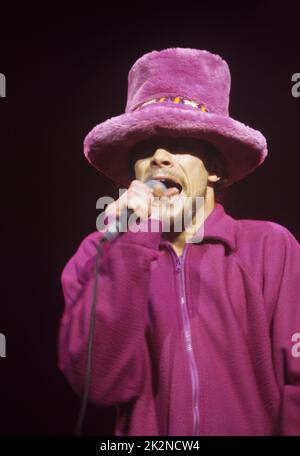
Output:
x,y
119,225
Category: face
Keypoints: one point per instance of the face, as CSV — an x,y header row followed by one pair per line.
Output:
x,y
182,161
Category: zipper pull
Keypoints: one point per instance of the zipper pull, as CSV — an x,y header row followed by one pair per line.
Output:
x,y
178,264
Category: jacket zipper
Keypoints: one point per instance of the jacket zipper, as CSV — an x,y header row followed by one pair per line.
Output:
x,y
188,339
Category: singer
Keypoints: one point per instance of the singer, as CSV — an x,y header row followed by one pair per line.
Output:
x,y
191,338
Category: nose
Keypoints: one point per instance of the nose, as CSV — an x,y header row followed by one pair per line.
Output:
x,y
161,158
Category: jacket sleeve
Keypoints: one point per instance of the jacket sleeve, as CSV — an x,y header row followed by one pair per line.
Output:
x,y
283,259
119,344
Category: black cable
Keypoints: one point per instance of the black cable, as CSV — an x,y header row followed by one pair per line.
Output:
x,y
81,415
108,236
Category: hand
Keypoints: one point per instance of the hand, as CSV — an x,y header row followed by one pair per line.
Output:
x,y
143,200
137,197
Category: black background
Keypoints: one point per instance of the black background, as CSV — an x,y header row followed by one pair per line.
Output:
x,y
66,73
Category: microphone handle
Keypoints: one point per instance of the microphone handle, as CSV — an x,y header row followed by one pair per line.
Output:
x,y
121,224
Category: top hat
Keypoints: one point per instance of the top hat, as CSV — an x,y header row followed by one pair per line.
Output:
x,y
176,92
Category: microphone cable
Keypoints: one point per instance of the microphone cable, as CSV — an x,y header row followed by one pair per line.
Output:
x,y
81,415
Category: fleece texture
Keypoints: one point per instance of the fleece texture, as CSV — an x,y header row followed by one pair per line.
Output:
x,y
197,345
190,73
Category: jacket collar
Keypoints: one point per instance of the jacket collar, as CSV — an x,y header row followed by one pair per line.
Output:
x,y
218,227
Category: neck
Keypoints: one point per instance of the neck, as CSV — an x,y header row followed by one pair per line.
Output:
x,y
178,239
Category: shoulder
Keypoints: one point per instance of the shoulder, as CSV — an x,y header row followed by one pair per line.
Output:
x,y
87,247
263,232
92,238
265,245
266,250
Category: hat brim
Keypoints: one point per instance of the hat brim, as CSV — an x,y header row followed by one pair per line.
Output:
x,y
109,144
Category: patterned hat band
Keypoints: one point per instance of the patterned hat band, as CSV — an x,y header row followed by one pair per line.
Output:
x,y
175,100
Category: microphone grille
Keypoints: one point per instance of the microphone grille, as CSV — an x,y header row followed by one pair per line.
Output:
x,y
158,187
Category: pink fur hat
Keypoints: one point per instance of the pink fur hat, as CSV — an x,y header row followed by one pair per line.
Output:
x,y
175,92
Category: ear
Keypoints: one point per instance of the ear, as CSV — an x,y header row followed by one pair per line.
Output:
x,y
213,178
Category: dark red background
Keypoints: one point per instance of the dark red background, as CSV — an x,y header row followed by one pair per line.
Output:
x,y
64,75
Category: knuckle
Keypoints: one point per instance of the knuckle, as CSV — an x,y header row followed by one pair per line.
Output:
x,y
137,184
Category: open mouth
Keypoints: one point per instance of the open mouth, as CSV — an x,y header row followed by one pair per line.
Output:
x,y
169,182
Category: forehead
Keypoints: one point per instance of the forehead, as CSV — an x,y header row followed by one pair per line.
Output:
x,y
176,144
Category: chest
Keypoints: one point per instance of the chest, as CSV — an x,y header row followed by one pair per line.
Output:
x,y
207,291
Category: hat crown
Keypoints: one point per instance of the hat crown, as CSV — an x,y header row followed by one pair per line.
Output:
x,y
193,74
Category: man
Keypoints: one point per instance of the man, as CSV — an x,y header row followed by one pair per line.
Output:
x,y
191,338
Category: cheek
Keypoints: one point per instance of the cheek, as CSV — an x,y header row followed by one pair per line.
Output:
x,y
139,169
198,180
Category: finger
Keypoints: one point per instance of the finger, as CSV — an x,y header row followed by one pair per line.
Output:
x,y
140,210
136,184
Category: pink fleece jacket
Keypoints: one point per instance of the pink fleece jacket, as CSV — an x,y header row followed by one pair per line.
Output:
x,y
203,344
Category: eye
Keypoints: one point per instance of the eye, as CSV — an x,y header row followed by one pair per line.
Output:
x,y
141,155
141,151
